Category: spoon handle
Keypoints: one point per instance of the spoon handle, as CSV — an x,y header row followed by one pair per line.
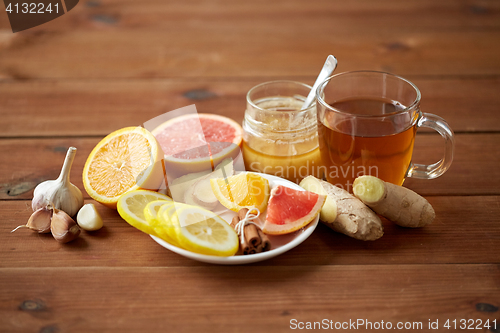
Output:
x,y
326,71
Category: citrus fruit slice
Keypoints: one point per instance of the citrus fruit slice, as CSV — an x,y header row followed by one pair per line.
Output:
x,y
125,160
151,211
202,231
289,210
131,208
244,190
197,142
164,226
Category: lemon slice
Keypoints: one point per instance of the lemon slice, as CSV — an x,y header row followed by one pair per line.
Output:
x,y
131,208
165,227
202,231
151,211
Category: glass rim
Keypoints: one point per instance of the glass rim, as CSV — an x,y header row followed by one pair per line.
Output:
x,y
250,101
323,84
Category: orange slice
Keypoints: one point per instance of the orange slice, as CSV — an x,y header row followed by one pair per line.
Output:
x,y
241,191
125,160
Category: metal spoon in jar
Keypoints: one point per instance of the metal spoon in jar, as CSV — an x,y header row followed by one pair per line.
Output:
x,y
326,71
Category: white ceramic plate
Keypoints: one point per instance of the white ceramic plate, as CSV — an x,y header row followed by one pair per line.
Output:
x,y
280,244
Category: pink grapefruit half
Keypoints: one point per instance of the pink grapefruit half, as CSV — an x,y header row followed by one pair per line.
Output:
x,y
197,142
289,210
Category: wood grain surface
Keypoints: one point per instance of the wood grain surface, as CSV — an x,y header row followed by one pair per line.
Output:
x,y
465,231
210,298
19,175
234,39
98,107
108,64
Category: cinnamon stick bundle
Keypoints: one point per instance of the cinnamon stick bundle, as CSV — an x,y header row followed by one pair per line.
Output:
x,y
254,240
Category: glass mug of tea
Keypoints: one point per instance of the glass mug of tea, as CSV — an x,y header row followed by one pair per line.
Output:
x,y
367,122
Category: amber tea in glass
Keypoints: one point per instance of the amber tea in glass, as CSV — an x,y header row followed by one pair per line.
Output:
x,y
367,122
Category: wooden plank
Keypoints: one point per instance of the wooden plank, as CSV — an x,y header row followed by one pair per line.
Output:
x,y
424,14
474,169
23,167
223,39
466,230
472,172
215,299
153,54
34,108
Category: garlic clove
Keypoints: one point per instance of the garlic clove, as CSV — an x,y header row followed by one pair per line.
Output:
x,y
88,218
39,221
63,227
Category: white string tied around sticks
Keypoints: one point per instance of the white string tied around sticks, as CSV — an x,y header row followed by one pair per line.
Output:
x,y
248,219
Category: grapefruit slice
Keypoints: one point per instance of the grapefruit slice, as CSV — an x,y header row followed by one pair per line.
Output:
x,y
289,210
196,142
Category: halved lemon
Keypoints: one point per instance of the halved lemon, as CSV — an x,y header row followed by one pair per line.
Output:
x,y
125,160
131,208
244,190
202,231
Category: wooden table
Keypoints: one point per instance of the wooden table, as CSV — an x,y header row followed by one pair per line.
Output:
x,y
110,64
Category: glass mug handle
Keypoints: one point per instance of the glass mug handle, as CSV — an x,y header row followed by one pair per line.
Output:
x,y
435,170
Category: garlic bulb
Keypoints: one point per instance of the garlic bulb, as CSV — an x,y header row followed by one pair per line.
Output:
x,y
59,193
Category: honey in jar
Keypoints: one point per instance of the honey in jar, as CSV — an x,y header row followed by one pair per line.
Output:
x,y
279,137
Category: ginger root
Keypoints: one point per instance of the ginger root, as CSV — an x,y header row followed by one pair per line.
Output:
x,y
398,204
343,212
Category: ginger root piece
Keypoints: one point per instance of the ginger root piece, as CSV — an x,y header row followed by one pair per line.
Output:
x,y
343,212
398,204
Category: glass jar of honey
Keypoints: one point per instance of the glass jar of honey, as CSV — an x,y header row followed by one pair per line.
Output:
x,y
279,138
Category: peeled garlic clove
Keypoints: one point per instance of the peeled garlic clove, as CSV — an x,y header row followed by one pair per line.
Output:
x,y
63,227
59,193
88,218
39,221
